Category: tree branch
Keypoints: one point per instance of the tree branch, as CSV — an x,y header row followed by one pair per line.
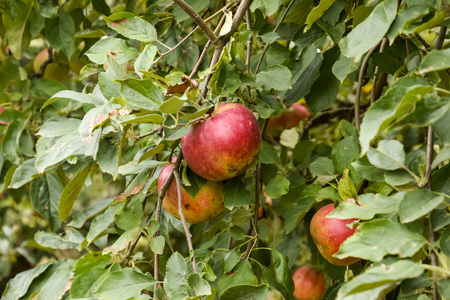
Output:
x,y
362,71
249,51
198,20
162,194
183,220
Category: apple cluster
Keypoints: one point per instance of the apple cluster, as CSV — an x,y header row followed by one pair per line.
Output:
x,y
221,147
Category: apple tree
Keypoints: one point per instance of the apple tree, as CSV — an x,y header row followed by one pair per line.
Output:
x,y
96,96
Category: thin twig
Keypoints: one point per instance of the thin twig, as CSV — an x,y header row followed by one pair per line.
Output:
x,y
183,220
362,71
377,70
249,52
274,30
156,130
223,40
162,194
198,20
229,5
424,43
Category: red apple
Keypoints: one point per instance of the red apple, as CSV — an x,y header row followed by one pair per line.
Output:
x,y
1,110
309,283
225,145
330,233
205,206
290,118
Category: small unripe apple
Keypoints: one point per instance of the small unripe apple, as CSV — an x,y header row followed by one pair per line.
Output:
x,y
261,209
225,145
205,206
329,233
309,283
290,118
53,70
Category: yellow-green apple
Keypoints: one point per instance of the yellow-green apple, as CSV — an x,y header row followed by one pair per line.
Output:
x,y
290,118
309,283
329,233
53,70
205,206
225,145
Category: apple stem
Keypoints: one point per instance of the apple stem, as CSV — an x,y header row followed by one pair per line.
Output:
x,y
183,219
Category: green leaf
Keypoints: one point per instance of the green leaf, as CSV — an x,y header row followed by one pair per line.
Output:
x,y
86,284
344,66
297,211
235,194
242,275
225,79
144,119
91,261
322,166
123,241
310,71
176,276
157,245
375,239
119,48
344,153
230,259
19,37
377,279
269,37
197,286
318,11
71,240
55,286
444,288
60,33
368,206
145,59
45,193
325,88
346,187
81,217
267,154
58,126
275,77
389,155
124,284
10,141
267,7
101,222
71,192
18,286
417,204
277,187
24,174
444,241
142,94
442,128
172,106
410,15
368,171
308,39
397,102
80,97
280,264
375,26
132,27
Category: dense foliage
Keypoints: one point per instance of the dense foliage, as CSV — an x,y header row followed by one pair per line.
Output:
x,y
97,95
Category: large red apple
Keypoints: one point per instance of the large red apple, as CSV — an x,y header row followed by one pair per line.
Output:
x,y
309,283
329,234
225,145
290,118
205,206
